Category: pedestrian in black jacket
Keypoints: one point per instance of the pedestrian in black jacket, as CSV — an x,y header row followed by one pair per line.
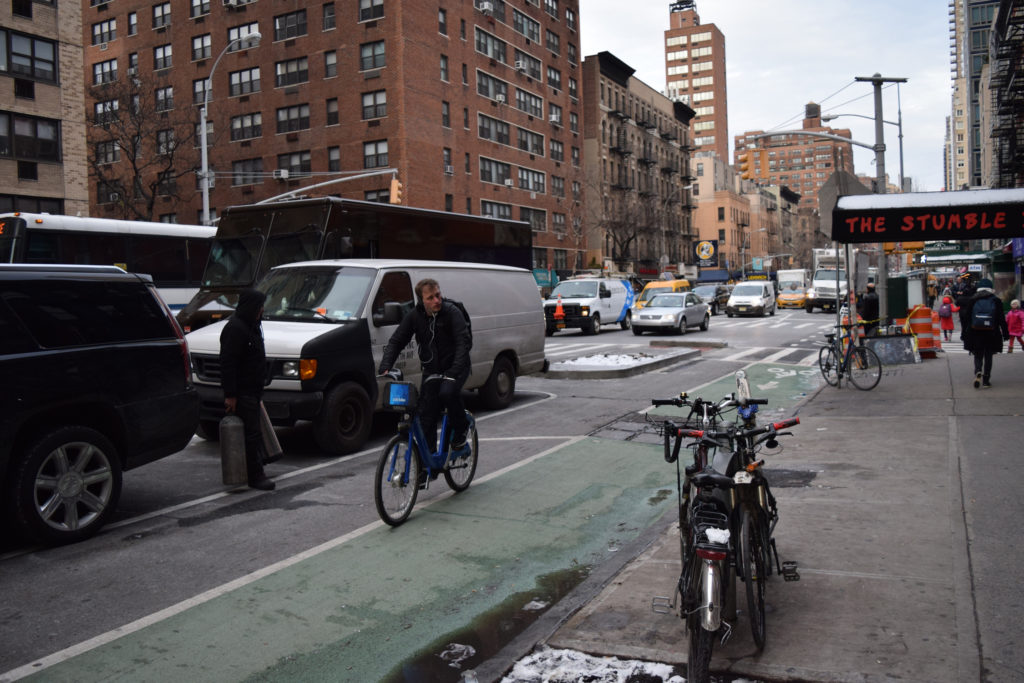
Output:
x,y
443,339
983,341
243,373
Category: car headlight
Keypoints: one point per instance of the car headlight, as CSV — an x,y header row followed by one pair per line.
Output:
x,y
299,369
810,292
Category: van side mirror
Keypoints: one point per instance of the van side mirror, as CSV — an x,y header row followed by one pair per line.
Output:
x,y
392,314
604,294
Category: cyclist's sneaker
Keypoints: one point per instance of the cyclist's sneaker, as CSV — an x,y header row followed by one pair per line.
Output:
x,y
458,441
977,380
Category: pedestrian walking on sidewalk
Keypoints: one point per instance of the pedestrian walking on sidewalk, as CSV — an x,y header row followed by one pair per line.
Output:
x,y
982,330
1015,324
946,310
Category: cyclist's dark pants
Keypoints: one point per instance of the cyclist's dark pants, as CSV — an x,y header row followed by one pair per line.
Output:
x,y
983,364
438,395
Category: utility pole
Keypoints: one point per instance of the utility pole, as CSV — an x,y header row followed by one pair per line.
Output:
x,y
883,271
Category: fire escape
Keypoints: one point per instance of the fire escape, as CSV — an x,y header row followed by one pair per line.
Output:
x,y
1007,88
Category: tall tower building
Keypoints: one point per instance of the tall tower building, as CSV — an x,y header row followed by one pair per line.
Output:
x,y
695,75
475,105
970,22
42,127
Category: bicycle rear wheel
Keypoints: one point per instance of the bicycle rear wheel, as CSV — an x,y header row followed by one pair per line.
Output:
x,y
698,658
829,366
865,368
460,471
755,573
394,491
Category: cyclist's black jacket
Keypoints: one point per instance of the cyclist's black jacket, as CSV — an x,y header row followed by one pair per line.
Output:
x,y
443,341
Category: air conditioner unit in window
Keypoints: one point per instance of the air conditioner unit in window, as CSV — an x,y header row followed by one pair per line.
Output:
x,y
555,118
233,3
280,174
449,169
509,182
487,7
499,98
520,65
103,46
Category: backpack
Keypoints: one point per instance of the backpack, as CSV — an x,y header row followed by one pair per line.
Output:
x,y
945,311
983,314
465,314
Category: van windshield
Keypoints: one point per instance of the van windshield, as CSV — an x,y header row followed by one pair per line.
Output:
x,y
327,294
575,289
748,289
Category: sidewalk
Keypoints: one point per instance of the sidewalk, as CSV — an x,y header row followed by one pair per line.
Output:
x,y
896,504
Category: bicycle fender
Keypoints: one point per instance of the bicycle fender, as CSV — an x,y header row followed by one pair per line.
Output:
x,y
709,595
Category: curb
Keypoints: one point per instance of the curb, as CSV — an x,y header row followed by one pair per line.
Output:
x,y
600,372
692,343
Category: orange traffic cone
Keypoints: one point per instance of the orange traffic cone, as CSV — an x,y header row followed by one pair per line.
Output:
x,y
559,311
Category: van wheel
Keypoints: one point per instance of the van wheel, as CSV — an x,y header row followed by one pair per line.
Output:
x,y
500,387
209,430
595,324
626,322
344,422
67,485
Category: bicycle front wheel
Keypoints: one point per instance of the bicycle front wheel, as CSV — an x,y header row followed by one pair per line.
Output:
x,y
755,573
865,368
460,470
829,366
396,483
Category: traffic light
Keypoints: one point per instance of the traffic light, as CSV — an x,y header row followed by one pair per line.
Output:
x,y
395,196
746,165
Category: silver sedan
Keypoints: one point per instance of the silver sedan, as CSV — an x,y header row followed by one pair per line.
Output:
x,y
671,312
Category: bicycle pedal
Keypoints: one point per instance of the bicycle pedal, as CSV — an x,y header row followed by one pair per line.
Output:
x,y
662,605
789,572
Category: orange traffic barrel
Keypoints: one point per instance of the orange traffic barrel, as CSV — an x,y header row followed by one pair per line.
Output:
x,y
936,332
920,320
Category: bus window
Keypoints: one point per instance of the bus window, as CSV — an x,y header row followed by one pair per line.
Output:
x,y
232,261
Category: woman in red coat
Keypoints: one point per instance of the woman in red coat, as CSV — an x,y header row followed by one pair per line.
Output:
x,y
946,311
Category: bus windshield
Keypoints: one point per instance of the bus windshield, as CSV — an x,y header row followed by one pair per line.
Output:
x,y
316,294
233,261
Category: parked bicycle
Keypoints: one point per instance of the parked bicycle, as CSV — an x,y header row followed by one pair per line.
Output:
x,y
842,355
407,463
727,518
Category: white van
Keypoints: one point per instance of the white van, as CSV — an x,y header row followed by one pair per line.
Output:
x,y
753,297
325,325
588,303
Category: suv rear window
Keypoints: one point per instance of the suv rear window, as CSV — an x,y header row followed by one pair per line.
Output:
x,y
80,312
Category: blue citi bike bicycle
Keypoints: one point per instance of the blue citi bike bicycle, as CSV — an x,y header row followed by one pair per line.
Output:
x,y
407,463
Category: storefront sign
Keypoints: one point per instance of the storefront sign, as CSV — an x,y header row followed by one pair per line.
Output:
x,y
706,252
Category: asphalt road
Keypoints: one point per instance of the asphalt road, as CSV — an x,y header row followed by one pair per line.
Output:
x,y
193,576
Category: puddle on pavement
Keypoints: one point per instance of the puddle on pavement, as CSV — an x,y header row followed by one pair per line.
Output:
x,y
447,657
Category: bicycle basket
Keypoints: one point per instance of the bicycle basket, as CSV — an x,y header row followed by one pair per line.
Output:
x,y
400,396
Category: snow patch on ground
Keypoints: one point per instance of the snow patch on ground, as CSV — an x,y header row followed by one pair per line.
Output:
x,y
613,360
569,666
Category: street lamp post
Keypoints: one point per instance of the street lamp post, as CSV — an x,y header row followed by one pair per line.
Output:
x,y
253,39
898,123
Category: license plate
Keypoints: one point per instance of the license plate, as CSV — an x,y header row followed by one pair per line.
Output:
x,y
741,308
559,326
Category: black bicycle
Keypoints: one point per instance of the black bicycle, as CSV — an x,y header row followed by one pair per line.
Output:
x,y
842,355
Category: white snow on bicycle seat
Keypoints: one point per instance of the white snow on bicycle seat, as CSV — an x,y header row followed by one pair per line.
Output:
x,y
720,536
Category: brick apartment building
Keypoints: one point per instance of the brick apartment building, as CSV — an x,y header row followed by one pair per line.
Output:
x,y
637,156
475,104
42,129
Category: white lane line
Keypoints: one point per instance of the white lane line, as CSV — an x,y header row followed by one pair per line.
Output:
x,y
743,353
809,360
777,355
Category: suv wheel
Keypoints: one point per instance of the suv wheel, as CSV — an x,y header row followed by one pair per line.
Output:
x,y
67,485
344,422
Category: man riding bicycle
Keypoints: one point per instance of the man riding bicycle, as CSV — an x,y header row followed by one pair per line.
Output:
x,y
443,338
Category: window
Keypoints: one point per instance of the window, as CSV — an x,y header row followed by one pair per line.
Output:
x,y
330,64
296,163
537,219
491,87
237,33
493,129
198,8
334,159
531,142
491,46
103,31
329,19
164,98
570,18
372,56
554,113
554,78
290,119
200,87
557,151
552,41
574,122
370,9
332,112
576,190
558,223
133,23
530,103
721,216
162,57
525,26
495,210
244,82
446,118
291,25
247,172
575,156
571,52
105,112
34,138
444,68
165,141
527,63
465,118
162,15
442,22
201,47
34,57
375,154
531,180
551,7
247,126
375,104
291,72
492,171
107,152
557,186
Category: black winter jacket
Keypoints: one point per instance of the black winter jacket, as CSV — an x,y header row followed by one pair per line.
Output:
x,y
243,360
443,341
978,341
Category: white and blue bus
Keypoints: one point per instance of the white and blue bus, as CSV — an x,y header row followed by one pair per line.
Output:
x,y
173,255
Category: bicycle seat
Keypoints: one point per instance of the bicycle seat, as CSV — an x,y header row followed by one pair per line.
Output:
x,y
831,337
709,478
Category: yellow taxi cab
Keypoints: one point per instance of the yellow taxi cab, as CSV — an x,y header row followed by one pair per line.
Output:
x,y
655,287
791,295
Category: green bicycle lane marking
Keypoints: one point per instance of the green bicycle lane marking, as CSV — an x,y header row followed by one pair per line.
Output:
x,y
357,611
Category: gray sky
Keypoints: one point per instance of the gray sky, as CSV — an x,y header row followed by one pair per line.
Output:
x,y
782,54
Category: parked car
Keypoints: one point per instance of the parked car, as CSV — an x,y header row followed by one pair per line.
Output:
x,y
672,312
96,381
755,297
716,296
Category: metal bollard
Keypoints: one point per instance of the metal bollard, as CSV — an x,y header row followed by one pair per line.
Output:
x,y
232,451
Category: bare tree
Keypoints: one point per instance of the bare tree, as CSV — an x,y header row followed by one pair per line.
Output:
x,y
142,148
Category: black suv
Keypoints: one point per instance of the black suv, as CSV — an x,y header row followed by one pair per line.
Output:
x,y
716,296
95,381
